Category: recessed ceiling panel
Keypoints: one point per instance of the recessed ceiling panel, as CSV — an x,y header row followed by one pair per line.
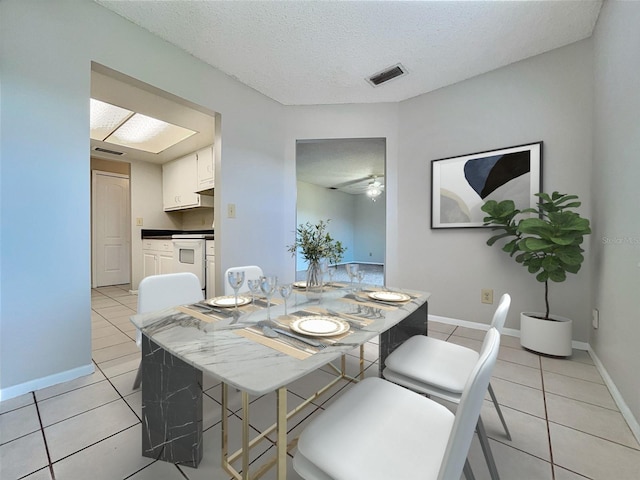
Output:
x,y
148,134
119,126
105,118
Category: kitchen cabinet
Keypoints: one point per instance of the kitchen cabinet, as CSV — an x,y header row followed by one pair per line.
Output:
x,y
180,183
157,257
205,168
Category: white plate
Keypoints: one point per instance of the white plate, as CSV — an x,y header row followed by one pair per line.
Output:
x,y
319,326
301,284
389,296
228,301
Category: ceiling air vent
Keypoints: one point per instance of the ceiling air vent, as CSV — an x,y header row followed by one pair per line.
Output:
x,y
104,150
386,75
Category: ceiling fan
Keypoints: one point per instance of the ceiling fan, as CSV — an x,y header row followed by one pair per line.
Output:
x,y
371,185
374,189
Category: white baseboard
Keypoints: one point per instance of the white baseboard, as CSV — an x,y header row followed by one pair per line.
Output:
x,y
615,393
40,383
512,332
617,397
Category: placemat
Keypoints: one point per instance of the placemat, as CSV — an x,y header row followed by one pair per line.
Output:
x,y
283,344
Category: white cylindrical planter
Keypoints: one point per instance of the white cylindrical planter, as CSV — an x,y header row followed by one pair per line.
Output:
x,y
551,337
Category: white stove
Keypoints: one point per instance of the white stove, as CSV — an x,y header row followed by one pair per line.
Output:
x,y
189,254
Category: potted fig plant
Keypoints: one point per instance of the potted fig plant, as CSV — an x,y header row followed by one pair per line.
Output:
x,y
316,245
548,244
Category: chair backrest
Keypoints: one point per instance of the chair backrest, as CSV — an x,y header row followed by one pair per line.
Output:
x,y
251,272
158,292
500,315
469,408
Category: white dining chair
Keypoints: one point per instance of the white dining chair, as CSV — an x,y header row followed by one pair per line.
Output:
x,y
435,367
158,292
379,431
251,272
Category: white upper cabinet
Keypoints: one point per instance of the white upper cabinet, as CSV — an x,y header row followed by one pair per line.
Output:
x,y
180,184
205,168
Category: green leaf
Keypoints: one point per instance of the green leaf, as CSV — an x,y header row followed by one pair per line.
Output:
x,y
542,276
570,256
550,263
557,276
572,268
532,244
533,268
495,238
563,240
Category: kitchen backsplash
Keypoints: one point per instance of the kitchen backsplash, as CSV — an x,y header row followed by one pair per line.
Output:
x,y
198,219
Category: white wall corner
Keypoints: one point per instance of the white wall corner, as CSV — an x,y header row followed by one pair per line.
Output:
x,y
617,397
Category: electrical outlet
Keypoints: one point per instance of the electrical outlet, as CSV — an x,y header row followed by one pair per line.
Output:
x,y
595,318
486,295
138,222
231,210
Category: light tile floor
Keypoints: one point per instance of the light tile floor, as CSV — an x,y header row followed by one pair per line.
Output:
x,y
564,422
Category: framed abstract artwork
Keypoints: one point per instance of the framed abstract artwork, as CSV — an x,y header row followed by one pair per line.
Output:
x,y
461,185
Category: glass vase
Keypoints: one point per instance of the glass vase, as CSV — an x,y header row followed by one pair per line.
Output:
x,y
314,277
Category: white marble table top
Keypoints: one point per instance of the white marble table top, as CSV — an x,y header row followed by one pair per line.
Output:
x,y
249,366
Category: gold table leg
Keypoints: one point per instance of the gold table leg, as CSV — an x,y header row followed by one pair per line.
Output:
x,y
245,436
282,433
225,425
282,416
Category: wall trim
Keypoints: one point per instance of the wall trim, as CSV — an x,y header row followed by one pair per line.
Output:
x,y
44,382
633,423
512,332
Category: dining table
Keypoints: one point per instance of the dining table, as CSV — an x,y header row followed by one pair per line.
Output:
x,y
258,350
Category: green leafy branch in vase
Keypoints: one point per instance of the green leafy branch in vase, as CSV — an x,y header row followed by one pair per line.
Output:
x,y
316,243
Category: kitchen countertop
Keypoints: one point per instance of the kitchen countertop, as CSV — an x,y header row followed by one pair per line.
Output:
x,y
166,234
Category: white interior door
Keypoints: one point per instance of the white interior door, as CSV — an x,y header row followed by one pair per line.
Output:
x,y
111,229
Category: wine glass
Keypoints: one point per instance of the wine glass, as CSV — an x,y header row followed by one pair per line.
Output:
x,y
331,271
324,267
360,275
285,291
236,279
268,286
352,271
254,288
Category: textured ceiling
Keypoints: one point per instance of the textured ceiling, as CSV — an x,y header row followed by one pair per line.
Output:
x,y
346,164
321,52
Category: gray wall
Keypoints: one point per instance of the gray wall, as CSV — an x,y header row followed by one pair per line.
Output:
x,y
319,203
369,229
616,196
356,221
548,98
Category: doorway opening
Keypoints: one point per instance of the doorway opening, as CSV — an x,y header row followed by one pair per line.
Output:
x,y
146,192
333,177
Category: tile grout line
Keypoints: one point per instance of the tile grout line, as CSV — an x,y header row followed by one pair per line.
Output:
x,y
44,437
546,419
615,442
